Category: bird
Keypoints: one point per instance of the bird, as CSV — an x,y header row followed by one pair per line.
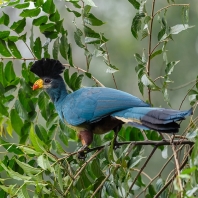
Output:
x,y
98,110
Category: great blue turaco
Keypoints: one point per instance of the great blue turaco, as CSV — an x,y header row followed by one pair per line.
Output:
x,y
98,110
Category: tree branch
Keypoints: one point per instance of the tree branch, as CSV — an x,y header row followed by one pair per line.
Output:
x,y
180,168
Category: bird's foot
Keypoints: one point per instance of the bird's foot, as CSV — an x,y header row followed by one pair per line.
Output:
x,y
115,145
82,153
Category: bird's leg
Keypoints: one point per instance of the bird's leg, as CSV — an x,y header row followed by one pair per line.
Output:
x,y
116,131
86,138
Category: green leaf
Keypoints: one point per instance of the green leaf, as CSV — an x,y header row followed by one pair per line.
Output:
x,y
9,72
30,12
77,38
4,34
91,33
66,76
161,34
2,76
36,142
22,37
13,48
111,68
30,170
73,80
25,101
3,49
90,40
147,81
79,81
55,49
57,147
135,4
178,28
96,169
11,189
43,105
86,10
29,151
92,20
13,38
32,38
59,177
23,193
151,190
89,75
49,7
90,2
16,121
5,20
40,20
11,147
9,128
38,3
144,33
12,3
3,110
55,16
140,60
13,174
42,162
77,14
170,67
18,26
37,48
49,27
64,46
69,55
63,138
22,5
159,184
158,52
136,24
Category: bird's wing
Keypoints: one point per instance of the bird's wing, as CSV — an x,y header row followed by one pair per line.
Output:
x,y
92,104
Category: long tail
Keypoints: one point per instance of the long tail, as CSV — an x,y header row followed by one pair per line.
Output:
x,y
158,119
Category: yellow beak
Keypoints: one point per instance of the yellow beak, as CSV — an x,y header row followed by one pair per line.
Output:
x,y
38,84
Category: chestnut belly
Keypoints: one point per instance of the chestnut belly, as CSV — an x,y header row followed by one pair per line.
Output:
x,y
105,125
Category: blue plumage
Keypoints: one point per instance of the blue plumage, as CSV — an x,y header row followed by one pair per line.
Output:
x,y
99,110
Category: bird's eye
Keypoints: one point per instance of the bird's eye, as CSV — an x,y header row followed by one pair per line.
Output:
x,y
47,80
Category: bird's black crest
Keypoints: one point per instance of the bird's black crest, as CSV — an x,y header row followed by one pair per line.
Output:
x,y
47,67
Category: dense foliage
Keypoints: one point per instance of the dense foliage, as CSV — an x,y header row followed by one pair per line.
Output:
x,y
34,161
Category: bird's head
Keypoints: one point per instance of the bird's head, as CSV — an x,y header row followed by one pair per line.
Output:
x,y
49,71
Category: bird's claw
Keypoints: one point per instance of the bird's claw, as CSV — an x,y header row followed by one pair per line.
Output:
x,y
116,145
82,153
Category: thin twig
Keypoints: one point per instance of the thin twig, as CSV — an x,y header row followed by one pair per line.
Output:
x,y
108,59
164,8
149,48
182,86
160,172
81,169
86,48
168,183
102,183
138,170
177,168
82,70
187,95
149,157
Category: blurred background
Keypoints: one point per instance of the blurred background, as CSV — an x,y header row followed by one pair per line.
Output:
x,y
122,46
